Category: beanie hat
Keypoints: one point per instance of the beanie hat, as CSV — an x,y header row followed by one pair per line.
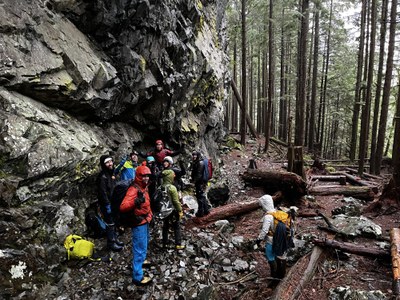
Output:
x,y
159,142
169,160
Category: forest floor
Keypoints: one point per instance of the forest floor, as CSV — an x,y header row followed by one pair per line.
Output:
x,y
357,272
206,268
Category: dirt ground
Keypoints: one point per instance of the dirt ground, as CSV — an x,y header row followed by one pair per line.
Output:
x,y
338,269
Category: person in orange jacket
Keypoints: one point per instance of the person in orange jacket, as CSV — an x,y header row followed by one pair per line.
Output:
x,y
137,203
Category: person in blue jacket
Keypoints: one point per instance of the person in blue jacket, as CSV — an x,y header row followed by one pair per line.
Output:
x,y
127,167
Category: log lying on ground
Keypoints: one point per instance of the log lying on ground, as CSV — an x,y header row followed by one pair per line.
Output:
x,y
395,253
340,178
290,287
290,183
367,175
359,192
353,248
226,211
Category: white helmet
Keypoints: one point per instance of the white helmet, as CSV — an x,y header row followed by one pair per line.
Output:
x,y
169,160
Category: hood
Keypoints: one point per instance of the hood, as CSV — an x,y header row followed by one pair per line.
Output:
x,y
160,142
267,203
168,176
102,163
198,153
140,171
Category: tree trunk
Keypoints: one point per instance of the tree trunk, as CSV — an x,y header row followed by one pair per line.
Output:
x,y
395,253
359,192
378,90
339,178
366,114
360,59
292,285
301,76
227,211
353,248
239,101
271,75
311,135
234,103
244,86
386,89
290,183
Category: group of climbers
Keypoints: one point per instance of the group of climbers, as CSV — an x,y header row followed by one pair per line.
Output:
x,y
158,169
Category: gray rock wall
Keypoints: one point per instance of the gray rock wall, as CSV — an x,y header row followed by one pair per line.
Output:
x,y
82,78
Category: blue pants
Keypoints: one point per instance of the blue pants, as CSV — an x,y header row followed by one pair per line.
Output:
x,y
269,253
139,250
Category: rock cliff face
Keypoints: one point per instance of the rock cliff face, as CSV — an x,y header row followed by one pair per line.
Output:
x,y
82,78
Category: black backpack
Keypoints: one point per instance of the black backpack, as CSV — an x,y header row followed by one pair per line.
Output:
x,y
125,219
94,223
163,203
117,196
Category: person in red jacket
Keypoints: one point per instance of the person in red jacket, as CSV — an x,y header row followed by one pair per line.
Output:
x,y
137,202
159,153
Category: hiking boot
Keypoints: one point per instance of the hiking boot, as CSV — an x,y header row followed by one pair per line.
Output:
x,y
114,247
146,263
199,215
180,247
145,280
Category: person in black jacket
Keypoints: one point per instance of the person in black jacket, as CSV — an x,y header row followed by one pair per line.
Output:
x,y
199,183
105,187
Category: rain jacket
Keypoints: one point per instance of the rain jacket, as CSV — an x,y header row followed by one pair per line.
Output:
x,y
267,204
168,180
127,169
128,203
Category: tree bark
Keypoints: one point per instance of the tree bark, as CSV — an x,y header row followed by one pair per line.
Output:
x,y
239,101
353,248
227,211
244,86
340,178
357,104
395,253
272,180
359,192
290,288
386,89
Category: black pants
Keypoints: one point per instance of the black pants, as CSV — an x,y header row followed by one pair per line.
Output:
x,y
172,221
201,200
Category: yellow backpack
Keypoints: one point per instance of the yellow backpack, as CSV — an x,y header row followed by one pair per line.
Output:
x,y
280,215
77,247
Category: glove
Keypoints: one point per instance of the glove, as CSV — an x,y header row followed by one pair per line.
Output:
x,y
180,215
139,199
108,209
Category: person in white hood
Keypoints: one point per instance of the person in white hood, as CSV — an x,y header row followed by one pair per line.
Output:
x,y
267,204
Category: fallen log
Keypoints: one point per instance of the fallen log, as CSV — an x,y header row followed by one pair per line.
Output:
x,y
395,253
367,175
291,184
352,248
290,287
340,178
226,211
359,192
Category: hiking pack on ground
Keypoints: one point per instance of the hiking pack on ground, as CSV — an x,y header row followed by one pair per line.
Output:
x,y
94,222
77,247
208,169
282,233
163,203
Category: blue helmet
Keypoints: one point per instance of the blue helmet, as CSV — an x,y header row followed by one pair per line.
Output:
x,y
150,159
